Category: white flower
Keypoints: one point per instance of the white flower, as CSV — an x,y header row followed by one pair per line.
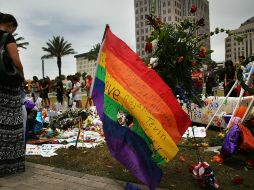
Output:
x,y
154,61
155,44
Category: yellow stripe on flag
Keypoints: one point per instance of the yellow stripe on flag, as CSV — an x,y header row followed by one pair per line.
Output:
x,y
162,142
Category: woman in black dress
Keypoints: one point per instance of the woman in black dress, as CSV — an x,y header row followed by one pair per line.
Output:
x,y
12,151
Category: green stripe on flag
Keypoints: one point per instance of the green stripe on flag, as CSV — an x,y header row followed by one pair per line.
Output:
x,y
111,109
100,73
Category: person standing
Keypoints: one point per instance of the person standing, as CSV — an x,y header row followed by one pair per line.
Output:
x,y
12,146
36,88
69,86
210,81
76,92
87,87
44,92
229,78
59,91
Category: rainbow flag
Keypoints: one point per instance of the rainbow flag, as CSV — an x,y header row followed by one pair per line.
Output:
x,y
123,83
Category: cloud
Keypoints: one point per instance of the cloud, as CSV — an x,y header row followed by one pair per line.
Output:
x,y
82,23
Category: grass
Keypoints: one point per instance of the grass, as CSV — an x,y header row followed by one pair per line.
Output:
x,y
98,161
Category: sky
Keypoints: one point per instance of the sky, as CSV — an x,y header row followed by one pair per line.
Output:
x,y
82,23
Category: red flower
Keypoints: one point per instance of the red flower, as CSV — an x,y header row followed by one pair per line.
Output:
x,y
249,163
191,168
158,18
181,159
202,52
217,159
238,180
193,9
149,47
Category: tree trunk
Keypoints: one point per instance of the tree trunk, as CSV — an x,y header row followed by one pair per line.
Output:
x,y
59,64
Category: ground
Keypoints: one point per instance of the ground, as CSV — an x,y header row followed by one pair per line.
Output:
x,y
98,161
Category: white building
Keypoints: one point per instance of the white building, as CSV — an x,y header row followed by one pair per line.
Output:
x,y
170,11
85,65
234,49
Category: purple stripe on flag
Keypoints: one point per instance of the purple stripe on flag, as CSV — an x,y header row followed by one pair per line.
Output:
x,y
131,151
98,96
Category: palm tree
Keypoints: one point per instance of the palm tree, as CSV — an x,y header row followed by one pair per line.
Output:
x,y
58,47
18,40
93,53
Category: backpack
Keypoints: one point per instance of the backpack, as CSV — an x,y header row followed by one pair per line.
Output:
x,y
9,74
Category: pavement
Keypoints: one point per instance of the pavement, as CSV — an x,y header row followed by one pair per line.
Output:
x,y
41,177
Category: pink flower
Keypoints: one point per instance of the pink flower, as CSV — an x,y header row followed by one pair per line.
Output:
x,y
180,59
193,9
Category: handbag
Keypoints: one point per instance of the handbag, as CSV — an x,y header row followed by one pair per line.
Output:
x,y
9,74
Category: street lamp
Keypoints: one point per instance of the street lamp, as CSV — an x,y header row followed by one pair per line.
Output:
x,y
42,63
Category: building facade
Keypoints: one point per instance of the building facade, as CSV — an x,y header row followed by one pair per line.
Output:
x,y
234,49
85,65
170,11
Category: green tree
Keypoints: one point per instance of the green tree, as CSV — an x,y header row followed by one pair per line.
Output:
x,y
78,74
19,41
93,53
58,47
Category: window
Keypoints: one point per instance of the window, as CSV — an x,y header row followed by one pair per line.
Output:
x,y
164,4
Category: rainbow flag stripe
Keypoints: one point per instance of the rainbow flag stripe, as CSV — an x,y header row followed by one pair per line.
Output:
x,y
123,82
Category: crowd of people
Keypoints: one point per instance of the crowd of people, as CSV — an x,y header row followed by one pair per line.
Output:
x,y
71,90
227,77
